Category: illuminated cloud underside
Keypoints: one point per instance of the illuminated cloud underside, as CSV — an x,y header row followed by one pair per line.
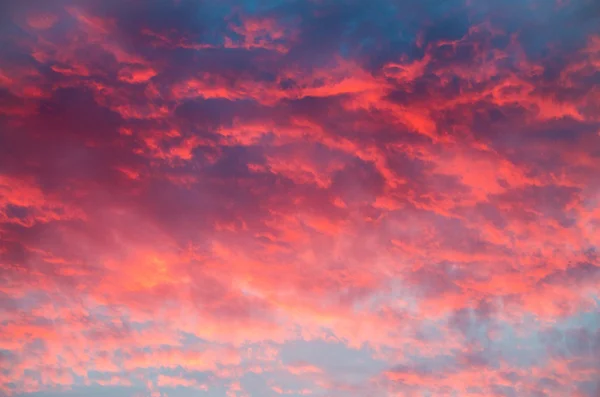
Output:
x,y
300,198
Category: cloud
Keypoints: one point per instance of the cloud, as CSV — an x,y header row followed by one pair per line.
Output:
x,y
299,198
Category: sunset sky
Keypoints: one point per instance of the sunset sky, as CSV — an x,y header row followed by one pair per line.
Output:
x,y
261,198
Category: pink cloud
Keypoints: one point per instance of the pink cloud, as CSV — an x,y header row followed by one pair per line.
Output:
x,y
276,199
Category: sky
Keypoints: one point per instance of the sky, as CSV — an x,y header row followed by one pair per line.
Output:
x,y
326,198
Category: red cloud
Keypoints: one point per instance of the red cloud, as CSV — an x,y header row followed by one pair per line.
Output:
x,y
186,193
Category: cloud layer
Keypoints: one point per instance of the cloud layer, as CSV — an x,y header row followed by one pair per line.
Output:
x,y
300,198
